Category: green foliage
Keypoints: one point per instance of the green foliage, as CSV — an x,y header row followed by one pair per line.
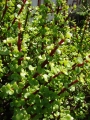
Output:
x,y
44,64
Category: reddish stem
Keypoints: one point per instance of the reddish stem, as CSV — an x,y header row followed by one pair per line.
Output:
x,y
51,54
24,1
35,75
19,42
56,47
64,89
19,37
4,12
39,2
21,9
44,63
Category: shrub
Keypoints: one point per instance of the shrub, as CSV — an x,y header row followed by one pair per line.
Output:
x,y
44,64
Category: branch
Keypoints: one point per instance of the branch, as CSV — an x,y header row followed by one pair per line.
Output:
x,y
51,54
24,1
5,9
19,42
64,89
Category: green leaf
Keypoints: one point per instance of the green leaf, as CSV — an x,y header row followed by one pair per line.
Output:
x,y
68,35
26,95
45,76
19,6
31,68
88,57
65,71
72,88
11,92
80,60
67,117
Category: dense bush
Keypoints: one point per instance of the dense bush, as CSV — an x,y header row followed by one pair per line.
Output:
x,y
44,64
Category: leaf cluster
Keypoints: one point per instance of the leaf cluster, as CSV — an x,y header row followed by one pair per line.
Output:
x,y
44,63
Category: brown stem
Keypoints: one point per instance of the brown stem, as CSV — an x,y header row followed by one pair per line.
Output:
x,y
19,42
18,14
56,47
64,89
24,1
51,54
39,2
4,12
19,37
